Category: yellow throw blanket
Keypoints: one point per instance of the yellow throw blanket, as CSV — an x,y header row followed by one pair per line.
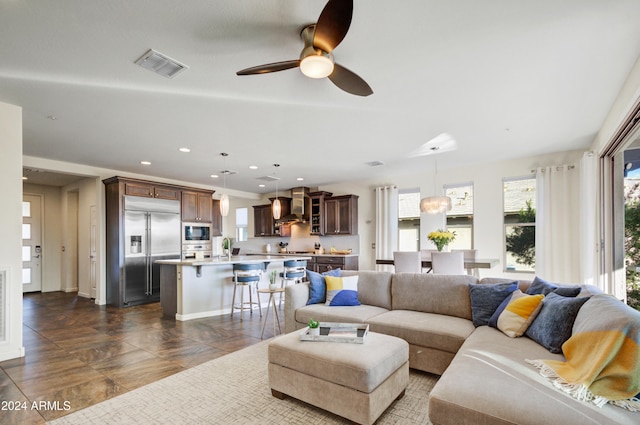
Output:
x,y
602,356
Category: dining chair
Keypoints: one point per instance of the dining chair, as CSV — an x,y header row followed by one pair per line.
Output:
x,y
407,261
448,263
425,255
469,256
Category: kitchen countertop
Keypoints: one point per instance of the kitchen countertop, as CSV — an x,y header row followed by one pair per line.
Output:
x,y
311,254
247,258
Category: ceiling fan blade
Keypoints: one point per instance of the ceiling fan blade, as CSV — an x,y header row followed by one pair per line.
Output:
x,y
269,67
333,24
349,81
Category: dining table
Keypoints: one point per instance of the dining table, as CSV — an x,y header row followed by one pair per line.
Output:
x,y
478,263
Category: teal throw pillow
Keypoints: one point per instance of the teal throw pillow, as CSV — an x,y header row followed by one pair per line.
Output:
x,y
486,298
554,323
317,285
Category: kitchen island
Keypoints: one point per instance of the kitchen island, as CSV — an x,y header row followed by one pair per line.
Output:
x,y
193,289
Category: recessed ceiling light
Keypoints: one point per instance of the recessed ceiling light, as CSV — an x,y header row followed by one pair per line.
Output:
x,y
262,185
25,178
145,163
52,117
300,179
214,176
185,150
253,167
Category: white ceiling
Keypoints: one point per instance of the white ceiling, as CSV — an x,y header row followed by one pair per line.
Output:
x,y
505,78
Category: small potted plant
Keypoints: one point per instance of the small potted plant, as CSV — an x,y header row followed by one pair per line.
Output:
x,y
272,280
314,327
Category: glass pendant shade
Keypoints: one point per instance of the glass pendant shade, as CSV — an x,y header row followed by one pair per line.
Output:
x,y
277,208
435,204
224,205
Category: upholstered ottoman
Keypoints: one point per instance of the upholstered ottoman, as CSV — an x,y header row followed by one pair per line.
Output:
x,y
355,381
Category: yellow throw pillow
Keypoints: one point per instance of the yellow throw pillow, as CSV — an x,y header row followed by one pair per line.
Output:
x,y
342,291
516,313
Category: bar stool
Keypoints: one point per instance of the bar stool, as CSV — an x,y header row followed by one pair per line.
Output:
x,y
246,275
294,271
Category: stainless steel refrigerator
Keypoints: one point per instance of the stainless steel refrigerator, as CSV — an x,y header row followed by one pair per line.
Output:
x,y
152,232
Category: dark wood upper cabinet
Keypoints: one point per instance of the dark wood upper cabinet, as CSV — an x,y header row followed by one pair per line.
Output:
x,y
317,214
263,221
197,206
216,219
341,215
151,190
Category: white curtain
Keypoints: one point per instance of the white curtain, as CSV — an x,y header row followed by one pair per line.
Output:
x,y
386,222
588,220
557,228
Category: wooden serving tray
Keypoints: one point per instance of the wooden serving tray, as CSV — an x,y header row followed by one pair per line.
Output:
x,y
353,333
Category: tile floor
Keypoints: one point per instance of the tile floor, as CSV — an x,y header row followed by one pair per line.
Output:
x,y
79,354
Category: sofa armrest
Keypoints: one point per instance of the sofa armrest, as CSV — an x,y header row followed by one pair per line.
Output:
x,y
295,296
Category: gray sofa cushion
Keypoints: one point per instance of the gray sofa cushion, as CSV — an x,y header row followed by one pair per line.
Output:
x,y
324,313
374,288
439,331
439,294
489,382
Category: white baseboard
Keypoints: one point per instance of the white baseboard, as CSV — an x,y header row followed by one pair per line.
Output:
x,y
12,354
84,295
70,290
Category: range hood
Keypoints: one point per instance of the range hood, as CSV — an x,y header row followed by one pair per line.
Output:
x,y
300,206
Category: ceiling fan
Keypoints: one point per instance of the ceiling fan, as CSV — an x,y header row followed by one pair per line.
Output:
x,y
316,60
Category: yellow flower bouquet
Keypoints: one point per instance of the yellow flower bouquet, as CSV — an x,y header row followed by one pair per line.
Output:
x,y
441,238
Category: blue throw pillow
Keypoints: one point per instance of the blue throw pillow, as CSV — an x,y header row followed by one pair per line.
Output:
x,y
317,285
541,286
554,323
486,298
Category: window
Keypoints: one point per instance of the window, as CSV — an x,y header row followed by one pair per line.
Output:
x,y
519,200
460,218
409,220
242,224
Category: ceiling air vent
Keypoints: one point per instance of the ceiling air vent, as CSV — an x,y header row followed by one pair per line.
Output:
x,y
268,178
161,64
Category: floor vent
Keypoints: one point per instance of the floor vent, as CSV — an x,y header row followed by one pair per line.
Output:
x,y
161,64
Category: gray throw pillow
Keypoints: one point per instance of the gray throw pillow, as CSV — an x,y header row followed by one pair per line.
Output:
x,y
486,298
541,286
554,324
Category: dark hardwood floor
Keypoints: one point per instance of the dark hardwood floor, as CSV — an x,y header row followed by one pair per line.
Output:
x,y
79,354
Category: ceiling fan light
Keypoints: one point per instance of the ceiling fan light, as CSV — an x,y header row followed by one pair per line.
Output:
x,y
316,66
224,205
435,204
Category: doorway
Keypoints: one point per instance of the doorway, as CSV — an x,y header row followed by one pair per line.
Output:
x,y
32,243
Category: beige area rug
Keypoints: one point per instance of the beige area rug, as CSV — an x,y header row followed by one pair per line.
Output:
x,y
234,389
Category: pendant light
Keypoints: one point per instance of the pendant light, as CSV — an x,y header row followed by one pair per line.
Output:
x,y
276,207
435,204
224,199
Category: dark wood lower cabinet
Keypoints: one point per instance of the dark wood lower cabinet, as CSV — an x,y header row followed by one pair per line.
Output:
x,y
326,263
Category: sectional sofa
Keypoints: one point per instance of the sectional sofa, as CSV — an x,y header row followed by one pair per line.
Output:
x,y
485,377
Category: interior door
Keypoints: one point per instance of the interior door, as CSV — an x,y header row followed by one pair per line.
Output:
x,y
31,243
93,228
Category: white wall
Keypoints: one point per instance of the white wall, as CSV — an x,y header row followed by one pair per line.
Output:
x,y
487,181
10,228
